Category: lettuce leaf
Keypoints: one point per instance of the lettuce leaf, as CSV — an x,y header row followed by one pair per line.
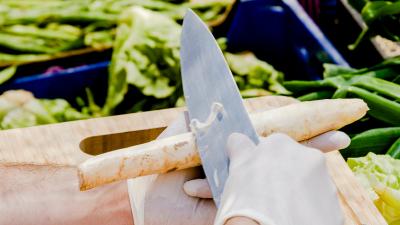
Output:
x,y
146,55
380,175
20,109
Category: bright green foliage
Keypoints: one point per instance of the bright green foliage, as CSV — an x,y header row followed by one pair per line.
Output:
x,y
254,76
21,109
33,30
146,61
380,175
146,55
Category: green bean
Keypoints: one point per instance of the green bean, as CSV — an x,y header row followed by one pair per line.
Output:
x,y
315,96
381,108
13,59
340,93
379,85
44,33
7,73
36,45
299,85
394,150
24,44
376,140
62,16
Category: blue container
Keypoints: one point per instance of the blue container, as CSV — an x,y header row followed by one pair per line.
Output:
x,y
68,84
279,32
282,33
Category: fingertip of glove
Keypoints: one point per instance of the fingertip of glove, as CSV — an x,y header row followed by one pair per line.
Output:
x,y
197,188
341,139
190,188
329,141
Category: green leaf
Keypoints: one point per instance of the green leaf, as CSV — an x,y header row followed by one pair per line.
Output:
x,y
159,89
146,55
256,73
380,175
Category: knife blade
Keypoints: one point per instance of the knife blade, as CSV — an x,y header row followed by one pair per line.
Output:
x,y
211,95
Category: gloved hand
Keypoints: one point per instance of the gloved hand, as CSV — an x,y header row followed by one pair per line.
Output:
x,y
278,182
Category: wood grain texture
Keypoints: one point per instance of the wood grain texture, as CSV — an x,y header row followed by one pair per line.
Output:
x,y
58,144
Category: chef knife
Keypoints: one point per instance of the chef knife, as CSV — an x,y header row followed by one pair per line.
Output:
x,y
212,97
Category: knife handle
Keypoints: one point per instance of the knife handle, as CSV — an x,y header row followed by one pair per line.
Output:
x,y
158,156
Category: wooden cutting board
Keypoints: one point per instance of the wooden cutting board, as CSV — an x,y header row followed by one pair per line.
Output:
x,y
65,143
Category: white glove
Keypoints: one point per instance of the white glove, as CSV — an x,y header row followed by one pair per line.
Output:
x,y
278,182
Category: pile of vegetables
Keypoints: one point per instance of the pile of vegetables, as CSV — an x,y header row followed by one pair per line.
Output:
x,y
145,64
32,30
20,109
380,175
377,133
377,85
146,61
381,17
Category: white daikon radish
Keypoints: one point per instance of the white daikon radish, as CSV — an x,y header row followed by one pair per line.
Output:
x,y
301,121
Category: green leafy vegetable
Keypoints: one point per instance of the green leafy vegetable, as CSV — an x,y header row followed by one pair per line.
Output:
x,y
146,55
380,175
145,64
257,75
30,28
20,109
146,60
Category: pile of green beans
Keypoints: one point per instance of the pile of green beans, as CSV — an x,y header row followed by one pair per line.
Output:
x,y
378,86
378,89
33,30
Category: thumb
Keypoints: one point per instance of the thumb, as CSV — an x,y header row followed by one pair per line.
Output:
x,y
237,145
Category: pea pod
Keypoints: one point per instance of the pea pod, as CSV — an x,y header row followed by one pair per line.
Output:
x,y
394,150
376,140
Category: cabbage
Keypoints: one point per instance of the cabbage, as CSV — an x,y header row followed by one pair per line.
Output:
x,y
380,175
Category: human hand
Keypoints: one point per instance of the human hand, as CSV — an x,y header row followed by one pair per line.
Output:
x,y
37,194
280,187
327,142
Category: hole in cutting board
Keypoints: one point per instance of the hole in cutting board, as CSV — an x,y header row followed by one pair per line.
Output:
x,y
96,145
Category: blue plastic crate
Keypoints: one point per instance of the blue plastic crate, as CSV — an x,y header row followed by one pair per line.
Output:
x,y
282,33
67,84
279,32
